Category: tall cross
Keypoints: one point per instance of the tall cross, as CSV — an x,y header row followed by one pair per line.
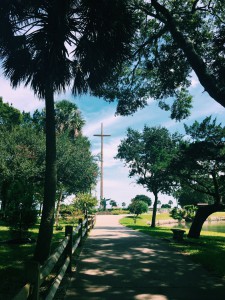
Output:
x,y
102,136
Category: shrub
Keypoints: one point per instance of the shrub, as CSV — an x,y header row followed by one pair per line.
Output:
x,y
137,208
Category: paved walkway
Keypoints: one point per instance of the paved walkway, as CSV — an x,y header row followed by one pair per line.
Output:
x,y
120,263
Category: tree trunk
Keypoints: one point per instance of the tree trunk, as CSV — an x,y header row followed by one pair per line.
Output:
x,y
4,196
40,209
154,210
43,246
58,209
200,217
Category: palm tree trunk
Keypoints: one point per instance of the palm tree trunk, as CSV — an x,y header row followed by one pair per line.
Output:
x,y
43,246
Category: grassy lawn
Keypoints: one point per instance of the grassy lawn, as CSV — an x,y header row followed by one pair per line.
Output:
x,y
12,260
208,250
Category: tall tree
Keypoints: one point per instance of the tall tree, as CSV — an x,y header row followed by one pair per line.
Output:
x,y
173,38
50,45
68,118
9,116
77,170
148,155
200,165
21,164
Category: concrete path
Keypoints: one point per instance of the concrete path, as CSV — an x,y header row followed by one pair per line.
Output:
x,y
120,263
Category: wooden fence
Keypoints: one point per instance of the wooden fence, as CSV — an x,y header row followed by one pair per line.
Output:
x,y
36,274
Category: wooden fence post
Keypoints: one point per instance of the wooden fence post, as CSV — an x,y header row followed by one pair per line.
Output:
x,y
80,221
87,222
92,221
69,231
33,277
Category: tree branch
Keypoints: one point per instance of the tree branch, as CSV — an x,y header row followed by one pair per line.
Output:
x,y
151,39
207,80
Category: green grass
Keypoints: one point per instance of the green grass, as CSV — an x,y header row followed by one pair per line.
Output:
x,y
13,258
208,250
160,217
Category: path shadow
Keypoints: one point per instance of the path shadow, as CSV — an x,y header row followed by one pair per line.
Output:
x,y
120,263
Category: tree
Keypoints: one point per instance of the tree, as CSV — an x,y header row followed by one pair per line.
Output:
x,y
84,202
170,202
68,118
187,213
200,165
78,48
188,196
9,116
173,39
177,213
21,175
113,203
137,208
21,163
123,205
144,198
21,209
165,206
76,168
148,155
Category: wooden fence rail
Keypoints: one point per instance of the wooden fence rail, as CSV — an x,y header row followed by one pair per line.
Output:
x,y
36,274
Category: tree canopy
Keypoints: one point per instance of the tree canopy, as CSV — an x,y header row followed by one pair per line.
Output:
x,y
188,196
148,155
137,208
172,40
84,202
76,49
9,116
200,163
142,198
22,162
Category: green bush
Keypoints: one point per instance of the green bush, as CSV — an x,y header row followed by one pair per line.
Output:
x,y
177,213
119,211
187,213
22,216
137,208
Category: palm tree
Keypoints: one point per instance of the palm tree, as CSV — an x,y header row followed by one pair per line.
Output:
x,y
68,117
50,45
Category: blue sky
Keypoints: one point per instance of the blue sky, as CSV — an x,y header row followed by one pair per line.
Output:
x,y
117,185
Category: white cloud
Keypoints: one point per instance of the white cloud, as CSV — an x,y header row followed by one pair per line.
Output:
x,y
105,117
194,81
21,98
